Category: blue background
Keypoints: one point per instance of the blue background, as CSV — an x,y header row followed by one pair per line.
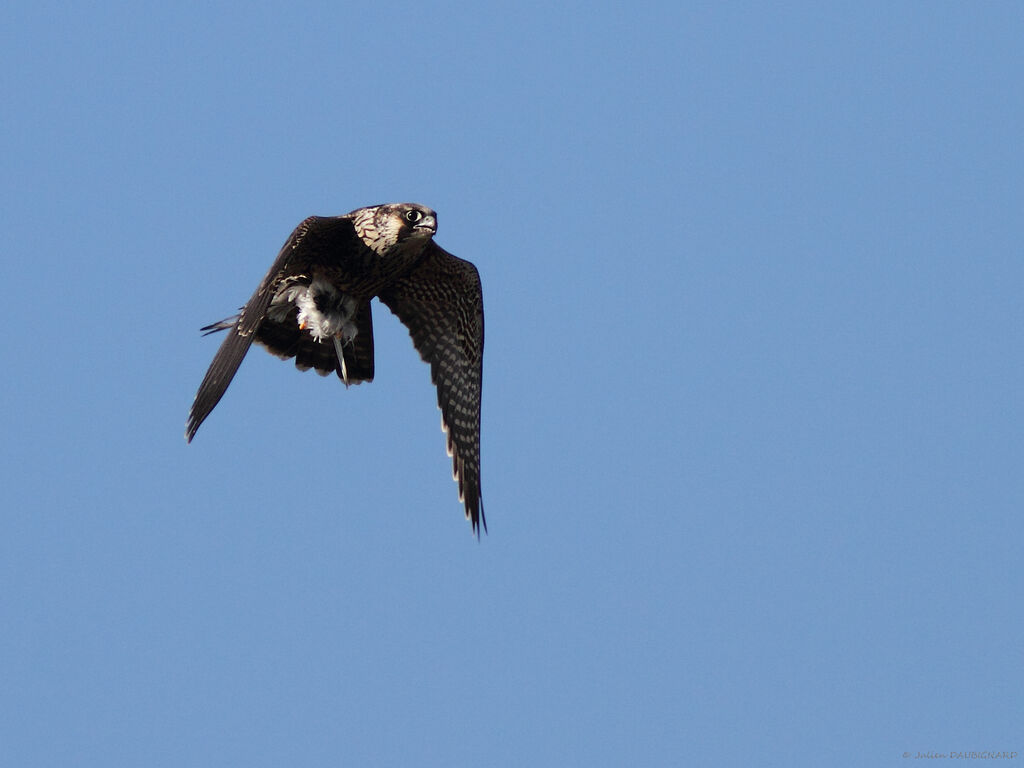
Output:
x,y
752,452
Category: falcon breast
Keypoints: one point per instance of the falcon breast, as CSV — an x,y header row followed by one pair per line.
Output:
x,y
313,305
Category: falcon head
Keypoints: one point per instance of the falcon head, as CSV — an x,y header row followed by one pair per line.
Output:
x,y
382,227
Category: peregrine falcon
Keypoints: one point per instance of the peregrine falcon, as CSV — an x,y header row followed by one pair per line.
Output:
x,y
314,305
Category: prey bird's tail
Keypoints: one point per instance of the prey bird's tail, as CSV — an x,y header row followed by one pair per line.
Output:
x,y
222,325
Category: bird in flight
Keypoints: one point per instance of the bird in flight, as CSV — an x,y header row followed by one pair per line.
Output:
x,y
314,305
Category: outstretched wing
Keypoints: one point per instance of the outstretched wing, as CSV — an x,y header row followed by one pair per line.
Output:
x,y
314,238
441,303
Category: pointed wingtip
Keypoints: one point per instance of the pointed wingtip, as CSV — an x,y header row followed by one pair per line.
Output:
x,y
477,520
192,424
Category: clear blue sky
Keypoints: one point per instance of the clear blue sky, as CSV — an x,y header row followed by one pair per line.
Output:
x,y
752,450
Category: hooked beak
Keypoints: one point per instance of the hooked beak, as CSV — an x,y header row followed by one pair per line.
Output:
x,y
426,225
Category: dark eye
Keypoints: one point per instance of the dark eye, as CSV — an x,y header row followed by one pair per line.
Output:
x,y
413,216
